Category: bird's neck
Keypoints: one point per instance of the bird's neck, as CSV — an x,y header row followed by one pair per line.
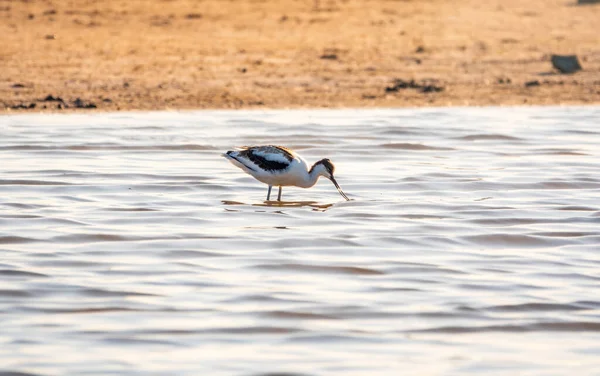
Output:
x,y
311,178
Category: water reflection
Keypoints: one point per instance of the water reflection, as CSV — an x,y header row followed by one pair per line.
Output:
x,y
284,204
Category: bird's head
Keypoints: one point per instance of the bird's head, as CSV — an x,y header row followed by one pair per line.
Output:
x,y
325,168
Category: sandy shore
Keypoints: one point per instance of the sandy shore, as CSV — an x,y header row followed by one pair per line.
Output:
x,y
179,54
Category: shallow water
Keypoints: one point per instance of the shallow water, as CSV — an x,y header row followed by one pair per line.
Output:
x,y
129,246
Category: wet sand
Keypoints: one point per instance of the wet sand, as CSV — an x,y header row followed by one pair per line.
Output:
x,y
117,55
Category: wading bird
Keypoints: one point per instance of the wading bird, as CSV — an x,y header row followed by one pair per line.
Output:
x,y
279,166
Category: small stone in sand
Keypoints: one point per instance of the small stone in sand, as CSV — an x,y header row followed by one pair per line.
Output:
x,y
329,57
193,16
566,63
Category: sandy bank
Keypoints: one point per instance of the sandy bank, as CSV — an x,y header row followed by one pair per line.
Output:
x,y
172,54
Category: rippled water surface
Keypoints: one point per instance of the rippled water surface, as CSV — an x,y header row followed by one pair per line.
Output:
x,y
129,246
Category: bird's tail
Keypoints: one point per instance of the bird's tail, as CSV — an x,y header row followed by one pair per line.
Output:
x,y
229,154
232,156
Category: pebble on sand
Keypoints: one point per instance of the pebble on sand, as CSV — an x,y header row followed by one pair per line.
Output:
x,y
329,56
566,63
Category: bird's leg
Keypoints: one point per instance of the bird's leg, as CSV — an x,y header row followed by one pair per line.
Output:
x,y
269,193
279,195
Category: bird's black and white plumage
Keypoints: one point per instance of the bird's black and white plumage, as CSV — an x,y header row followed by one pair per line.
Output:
x,y
279,166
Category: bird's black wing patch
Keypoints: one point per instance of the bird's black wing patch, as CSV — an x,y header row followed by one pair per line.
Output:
x,y
259,159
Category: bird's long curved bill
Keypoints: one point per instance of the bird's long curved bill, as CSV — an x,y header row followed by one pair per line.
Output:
x,y
339,189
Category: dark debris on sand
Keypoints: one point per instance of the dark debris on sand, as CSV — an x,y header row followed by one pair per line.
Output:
x,y
51,98
23,106
423,87
79,103
60,103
